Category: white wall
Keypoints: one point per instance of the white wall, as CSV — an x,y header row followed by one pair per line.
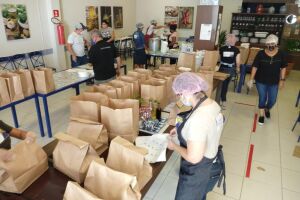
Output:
x,y
146,10
74,12
229,7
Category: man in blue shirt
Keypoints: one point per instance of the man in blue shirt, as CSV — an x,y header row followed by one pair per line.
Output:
x,y
139,58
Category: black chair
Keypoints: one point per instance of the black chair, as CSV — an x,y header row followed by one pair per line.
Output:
x,y
6,63
37,60
20,61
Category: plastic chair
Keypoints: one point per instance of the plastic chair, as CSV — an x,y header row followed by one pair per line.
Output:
x,y
6,63
20,61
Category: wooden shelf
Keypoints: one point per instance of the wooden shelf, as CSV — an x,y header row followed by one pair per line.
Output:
x,y
263,14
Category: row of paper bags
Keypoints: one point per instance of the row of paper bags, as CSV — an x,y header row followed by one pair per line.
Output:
x,y
126,171
22,83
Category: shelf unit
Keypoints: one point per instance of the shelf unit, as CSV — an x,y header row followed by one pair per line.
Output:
x,y
252,22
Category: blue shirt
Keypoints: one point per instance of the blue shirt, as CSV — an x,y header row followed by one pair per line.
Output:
x,y
139,40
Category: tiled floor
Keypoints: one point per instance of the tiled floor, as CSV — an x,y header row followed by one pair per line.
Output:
x,y
275,172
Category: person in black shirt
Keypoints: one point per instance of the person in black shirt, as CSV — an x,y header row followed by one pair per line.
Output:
x,y
230,63
102,55
5,143
268,70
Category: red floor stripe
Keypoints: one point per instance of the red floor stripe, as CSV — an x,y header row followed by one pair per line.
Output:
x,y
246,104
249,161
254,123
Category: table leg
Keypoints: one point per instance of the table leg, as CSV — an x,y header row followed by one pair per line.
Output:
x,y
15,117
218,92
47,116
39,115
162,61
77,89
154,61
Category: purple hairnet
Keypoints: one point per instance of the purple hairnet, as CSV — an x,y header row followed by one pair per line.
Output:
x,y
189,83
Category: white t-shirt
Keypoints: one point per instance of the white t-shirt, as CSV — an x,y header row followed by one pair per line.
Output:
x,y
77,42
150,30
205,125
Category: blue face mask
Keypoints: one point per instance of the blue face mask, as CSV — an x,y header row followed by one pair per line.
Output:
x,y
185,101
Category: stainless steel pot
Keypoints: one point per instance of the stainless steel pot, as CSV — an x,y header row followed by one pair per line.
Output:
x,y
154,44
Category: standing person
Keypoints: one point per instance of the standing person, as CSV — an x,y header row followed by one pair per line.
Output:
x,y
102,55
139,57
230,63
150,31
76,46
6,132
108,33
173,40
268,70
199,132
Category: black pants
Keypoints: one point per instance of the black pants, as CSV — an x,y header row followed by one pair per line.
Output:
x,y
231,72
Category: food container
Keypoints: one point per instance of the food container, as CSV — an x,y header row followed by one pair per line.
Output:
x,y
154,44
262,41
245,39
235,32
250,34
261,34
253,40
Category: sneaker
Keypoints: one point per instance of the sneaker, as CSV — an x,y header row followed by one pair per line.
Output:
x,y
267,113
261,120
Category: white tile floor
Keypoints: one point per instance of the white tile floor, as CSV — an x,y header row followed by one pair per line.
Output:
x,y
275,172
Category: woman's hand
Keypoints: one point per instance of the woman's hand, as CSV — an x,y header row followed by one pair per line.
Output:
x,y
30,137
171,144
6,155
173,132
281,84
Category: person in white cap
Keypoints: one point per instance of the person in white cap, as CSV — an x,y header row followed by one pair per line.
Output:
x,y
76,46
150,31
268,71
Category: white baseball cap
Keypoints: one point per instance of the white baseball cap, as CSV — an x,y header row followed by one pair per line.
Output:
x,y
80,26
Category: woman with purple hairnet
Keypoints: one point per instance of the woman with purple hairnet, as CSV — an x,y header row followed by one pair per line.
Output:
x,y
199,132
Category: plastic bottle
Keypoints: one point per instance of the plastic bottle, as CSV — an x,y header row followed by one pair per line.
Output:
x,y
158,112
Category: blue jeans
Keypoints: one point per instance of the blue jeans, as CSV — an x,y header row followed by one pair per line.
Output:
x,y
267,95
81,60
231,72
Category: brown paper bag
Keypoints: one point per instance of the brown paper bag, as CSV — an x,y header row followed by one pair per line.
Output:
x,y
141,77
72,156
121,118
109,184
92,132
169,82
244,53
208,76
43,80
4,94
29,164
134,85
155,89
14,86
168,67
210,60
187,60
27,82
87,106
146,72
123,89
252,54
108,90
123,156
75,192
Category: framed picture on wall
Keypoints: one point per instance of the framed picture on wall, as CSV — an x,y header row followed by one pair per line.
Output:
x,y
171,11
106,14
186,17
92,18
118,17
15,21
171,20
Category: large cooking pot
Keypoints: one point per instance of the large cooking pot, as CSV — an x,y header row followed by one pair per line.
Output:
x,y
154,44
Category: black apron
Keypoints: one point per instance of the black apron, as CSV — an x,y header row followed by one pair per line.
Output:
x,y
194,179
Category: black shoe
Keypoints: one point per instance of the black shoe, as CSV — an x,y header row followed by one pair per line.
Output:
x,y
267,113
261,120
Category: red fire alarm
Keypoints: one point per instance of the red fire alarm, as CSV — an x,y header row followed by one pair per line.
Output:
x,y
55,13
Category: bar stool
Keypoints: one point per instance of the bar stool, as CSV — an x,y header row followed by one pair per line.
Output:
x,y
20,61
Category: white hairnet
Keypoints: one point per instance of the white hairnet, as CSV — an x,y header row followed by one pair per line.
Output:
x,y
153,21
139,25
272,39
189,83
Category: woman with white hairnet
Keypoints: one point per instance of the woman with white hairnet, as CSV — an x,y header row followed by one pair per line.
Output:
x,y
268,71
139,56
199,132
150,31
230,63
